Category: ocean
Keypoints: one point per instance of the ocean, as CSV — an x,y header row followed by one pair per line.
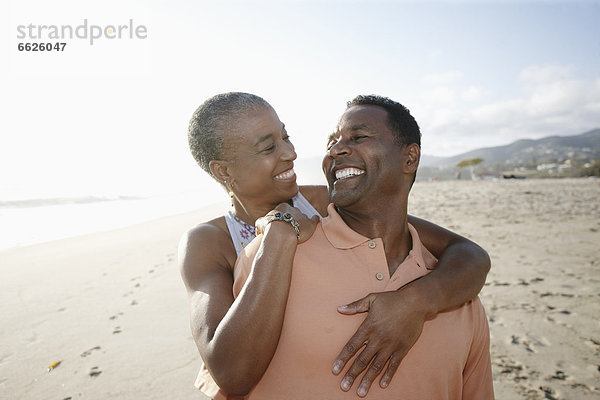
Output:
x,y
34,220
30,215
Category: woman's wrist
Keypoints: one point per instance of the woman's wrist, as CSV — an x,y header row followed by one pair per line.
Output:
x,y
281,231
286,218
426,295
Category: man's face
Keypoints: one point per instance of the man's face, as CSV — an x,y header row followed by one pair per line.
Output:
x,y
364,163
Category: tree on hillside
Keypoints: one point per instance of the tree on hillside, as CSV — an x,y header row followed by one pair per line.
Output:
x,y
470,162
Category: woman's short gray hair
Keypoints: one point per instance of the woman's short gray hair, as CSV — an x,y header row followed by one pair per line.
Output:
x,y
213,119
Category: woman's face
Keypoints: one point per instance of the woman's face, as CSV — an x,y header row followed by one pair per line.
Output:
x,y
261,158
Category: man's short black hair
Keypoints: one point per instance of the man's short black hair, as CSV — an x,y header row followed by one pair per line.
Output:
x,y
404,126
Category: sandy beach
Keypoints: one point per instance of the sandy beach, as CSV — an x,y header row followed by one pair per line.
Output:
x,y
111,308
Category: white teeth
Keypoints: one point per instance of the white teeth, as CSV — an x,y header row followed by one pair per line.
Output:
x,y
346,172
286,175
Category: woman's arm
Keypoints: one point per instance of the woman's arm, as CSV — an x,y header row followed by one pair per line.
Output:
x,y
222,326
461,269
462,265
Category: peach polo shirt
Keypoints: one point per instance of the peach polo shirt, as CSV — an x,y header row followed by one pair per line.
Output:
x,y
450,360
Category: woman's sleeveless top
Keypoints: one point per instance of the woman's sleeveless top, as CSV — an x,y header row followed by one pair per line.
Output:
x,y
243,233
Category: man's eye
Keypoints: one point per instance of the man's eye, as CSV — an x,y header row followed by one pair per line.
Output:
x,y
359,137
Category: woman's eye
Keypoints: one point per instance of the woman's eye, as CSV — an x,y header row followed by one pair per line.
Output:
x,y
270,148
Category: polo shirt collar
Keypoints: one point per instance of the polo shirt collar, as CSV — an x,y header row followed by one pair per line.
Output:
x,y
338,233
341,236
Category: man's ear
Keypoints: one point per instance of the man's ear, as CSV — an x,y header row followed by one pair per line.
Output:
x,y
220,170
413,155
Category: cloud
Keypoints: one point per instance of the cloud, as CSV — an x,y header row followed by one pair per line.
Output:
x,y
474,93
551,100
547,73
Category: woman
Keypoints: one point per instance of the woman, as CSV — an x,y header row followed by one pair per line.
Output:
x,y
239,140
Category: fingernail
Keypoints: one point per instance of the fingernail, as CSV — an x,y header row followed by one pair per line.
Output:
x,y
384,383
346,384
337,367
362,390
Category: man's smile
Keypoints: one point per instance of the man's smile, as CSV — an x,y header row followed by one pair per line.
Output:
x,y
347,173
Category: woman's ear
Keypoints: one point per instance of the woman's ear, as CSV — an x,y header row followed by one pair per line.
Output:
x,y
413,155
220,170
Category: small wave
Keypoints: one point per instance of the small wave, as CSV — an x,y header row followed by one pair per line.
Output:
x,y
29,203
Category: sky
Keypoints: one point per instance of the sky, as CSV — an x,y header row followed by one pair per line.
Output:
x,y
110,116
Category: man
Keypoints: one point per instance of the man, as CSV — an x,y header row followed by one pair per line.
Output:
x,y
366,245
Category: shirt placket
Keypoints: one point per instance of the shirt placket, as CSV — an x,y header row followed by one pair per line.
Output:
x,y
372,255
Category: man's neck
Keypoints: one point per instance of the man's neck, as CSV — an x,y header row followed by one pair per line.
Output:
x,y
388,223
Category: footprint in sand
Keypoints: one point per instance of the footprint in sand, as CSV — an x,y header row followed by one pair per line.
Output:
x,y
117,330
558,375
528,307
88,352
529,342
117,315
94,372
549,393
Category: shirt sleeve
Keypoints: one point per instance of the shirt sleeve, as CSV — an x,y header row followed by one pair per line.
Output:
x,y
477,375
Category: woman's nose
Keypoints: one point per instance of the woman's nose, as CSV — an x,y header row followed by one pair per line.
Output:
x,y
288,153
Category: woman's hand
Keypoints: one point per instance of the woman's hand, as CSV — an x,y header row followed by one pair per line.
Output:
x,y
306,225
389,331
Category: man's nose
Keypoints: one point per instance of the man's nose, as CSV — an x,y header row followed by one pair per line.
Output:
x,y
338,149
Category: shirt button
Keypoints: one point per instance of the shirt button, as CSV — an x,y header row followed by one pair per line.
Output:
x,y
379,276
372,244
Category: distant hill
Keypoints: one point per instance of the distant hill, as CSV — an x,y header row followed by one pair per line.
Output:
x,y
585,146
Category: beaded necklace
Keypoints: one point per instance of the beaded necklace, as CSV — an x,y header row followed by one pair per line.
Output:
x,y
247,231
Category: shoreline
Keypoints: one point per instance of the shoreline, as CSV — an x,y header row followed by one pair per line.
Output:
x,y
114,226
